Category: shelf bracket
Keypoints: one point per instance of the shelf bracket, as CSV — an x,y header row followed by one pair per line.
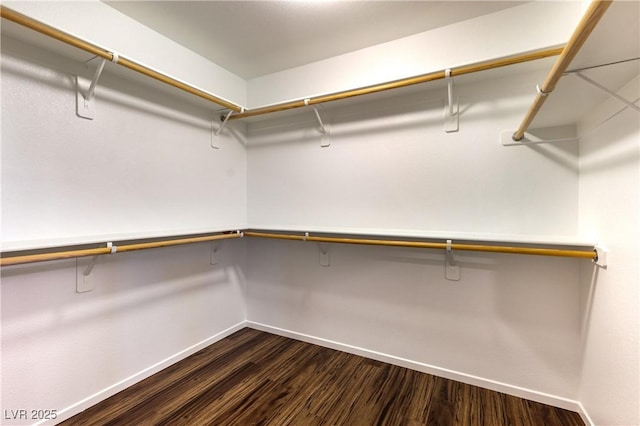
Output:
x,y
85,107
224,118
452,109
451,267
215,247
323,254
323,126
607,91
84,282
600,257
94,82
213,254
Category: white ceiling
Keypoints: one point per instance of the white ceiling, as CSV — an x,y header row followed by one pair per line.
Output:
x,y
255,38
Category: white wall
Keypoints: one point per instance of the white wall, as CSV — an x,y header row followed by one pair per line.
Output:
x,y
511,323
65,351
508,32
609,212
143,166
392,167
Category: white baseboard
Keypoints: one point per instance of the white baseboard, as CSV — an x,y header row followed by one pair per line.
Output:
x,y
518,391
533,395
584,415
82,405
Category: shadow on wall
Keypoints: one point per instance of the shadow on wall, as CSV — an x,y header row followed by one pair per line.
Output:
x,y
423,106
586,302
539,301
379,121
37,298
607,156
511,318
563,154
131,92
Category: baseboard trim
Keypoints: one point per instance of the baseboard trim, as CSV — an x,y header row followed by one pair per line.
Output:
x,y
105,393
518,391
584,415
521,392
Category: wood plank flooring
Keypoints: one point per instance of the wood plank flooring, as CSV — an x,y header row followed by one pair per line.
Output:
x,y
257,378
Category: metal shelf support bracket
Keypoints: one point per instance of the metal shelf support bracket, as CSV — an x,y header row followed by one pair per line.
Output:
x,y
85,107
323,126
451,267
452,109
600,257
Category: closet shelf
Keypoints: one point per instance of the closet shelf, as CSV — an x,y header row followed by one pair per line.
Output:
x,y
567,53
470,243
71,251
586,251
237,111
433,235
106,54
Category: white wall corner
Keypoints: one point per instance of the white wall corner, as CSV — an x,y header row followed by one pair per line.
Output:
x,y
609,203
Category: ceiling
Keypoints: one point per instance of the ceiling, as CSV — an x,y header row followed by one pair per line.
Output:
x,y
255,38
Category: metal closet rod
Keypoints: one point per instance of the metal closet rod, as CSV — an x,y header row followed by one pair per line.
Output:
x,y
42,257
585,254
592,16
52,32
396,84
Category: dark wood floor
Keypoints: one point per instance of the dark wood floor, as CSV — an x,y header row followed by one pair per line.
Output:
x,y
256,378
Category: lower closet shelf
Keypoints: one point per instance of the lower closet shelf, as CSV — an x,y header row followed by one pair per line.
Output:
x,y
500,245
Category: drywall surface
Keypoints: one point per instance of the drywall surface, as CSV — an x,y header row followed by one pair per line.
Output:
x,y
65,351
143,167
391,166
505,33
511,320
510,323
104,26
609,212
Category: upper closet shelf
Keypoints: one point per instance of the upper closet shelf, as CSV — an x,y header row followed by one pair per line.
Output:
x,y
114,57
405,82
425,241
592,16
91,240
